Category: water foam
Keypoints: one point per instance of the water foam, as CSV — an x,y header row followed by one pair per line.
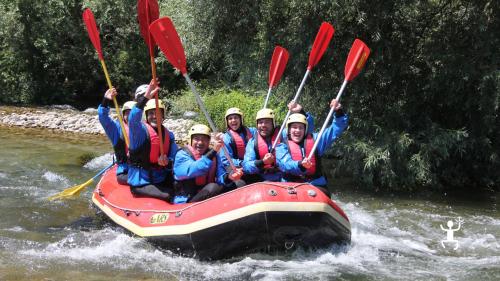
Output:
x,y
99,162
55,178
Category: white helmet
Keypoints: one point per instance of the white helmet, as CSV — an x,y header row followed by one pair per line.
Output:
x,y
128,106
236,111
141,90
265,113
199,129
297,118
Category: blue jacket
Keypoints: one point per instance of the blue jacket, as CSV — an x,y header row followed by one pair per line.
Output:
x,y
185,167
253,165
289,166
228,142
113,130
138,176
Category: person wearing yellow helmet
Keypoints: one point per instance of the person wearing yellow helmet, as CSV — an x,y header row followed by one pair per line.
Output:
x,y
198,170
292,155
259,159
150,172
114,132
235,139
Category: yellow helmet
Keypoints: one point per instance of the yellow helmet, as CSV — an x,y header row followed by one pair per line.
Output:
x,y
151,104
297,118
265,113
199,129
234,110
128,106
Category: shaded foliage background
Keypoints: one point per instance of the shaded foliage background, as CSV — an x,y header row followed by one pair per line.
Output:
x,y
424,111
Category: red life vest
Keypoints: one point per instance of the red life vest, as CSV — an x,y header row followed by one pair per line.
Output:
x,y
154,139
210,176
239,142
296,152
262,147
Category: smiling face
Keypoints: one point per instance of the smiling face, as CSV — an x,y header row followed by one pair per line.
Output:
x,y
265,127
151,117
234,122
200,143
296,132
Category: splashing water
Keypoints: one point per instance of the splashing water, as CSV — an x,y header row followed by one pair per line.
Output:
x,y
99,162
392,238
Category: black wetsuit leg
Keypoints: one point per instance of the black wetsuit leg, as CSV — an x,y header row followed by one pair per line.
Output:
x,y
253,178
233,185
206,192
160,191
122,178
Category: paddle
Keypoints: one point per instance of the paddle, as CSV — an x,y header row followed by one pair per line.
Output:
x,y
166,36
278,63
147,12
77,189
89,20
320,44
355,61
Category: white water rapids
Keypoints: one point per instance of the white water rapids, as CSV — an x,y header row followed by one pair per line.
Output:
x,y
393,238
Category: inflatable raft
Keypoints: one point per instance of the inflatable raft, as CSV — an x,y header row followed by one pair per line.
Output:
x,y
265,216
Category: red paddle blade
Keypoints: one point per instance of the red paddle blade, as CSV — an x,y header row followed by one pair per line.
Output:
x,y
278,64
320,44
356,59
89,20
166,36
147,12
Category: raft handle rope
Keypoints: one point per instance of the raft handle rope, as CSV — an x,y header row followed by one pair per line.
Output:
x,y
180,211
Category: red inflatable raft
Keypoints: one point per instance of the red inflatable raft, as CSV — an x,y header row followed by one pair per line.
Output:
x,y
265,216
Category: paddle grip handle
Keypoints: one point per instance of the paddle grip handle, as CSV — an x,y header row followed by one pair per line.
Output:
x,y
207,116
326,121
267,97
118,112
288,113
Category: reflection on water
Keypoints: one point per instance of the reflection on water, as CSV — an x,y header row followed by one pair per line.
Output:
x,y
393,237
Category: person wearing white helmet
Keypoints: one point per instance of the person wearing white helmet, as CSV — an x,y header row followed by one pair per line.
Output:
x,y
198,170
235,139
114,132
259,159
150,173
292,154
140,91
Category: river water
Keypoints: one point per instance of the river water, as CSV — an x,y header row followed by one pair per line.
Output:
x,y
393,237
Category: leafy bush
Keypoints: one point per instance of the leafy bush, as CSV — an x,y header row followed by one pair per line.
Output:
x,y
217,101
425,110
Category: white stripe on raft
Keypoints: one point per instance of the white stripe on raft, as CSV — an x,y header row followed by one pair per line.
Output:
x,y
222,218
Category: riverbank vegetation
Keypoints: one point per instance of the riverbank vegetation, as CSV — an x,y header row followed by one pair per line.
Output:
x,y
424,111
